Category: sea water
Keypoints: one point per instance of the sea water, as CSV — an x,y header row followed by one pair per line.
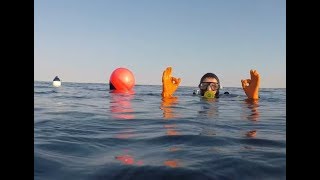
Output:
x,y
83,131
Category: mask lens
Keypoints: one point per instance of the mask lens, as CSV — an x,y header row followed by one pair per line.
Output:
x,y
214,86
204,85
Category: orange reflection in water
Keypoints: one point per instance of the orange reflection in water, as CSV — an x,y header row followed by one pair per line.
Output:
x,y
120,108
166,105
120,105
172,163
252,133
254,115
168,113
128,160
253,106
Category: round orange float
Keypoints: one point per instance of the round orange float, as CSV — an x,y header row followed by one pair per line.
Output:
x,y
122,80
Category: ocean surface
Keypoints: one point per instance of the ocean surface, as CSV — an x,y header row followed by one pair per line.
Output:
x,y
83,132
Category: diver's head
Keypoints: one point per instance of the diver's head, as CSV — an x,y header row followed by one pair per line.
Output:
x,y
209,82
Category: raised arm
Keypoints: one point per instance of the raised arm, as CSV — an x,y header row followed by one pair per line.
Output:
x,y
169,84
251,86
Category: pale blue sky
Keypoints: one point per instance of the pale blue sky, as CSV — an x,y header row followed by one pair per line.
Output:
x,y
85,40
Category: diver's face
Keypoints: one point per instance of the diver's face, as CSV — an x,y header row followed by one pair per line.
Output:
x,y
209,84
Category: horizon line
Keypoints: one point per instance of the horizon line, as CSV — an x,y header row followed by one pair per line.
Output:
x,y
158,84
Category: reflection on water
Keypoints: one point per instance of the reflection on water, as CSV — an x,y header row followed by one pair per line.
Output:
x,y
252,133
120,105
209,113
208,107
120,108
172,163
84,132
252,115
128,160
168,113
125,134
166,106
253,106
171,129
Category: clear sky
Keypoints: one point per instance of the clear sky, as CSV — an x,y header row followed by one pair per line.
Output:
x,y
85,40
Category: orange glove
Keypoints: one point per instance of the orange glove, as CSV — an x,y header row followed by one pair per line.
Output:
x,y
251,86
169,84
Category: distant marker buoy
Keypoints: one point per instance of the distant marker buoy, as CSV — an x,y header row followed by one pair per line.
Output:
x,y
122,80
56,82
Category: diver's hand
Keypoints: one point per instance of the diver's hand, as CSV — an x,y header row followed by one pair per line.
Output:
x,y
169,83
251,86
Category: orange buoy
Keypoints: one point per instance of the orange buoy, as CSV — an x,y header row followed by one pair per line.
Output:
x,y
122,80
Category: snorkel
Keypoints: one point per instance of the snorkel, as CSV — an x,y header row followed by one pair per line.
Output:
x,y
209,94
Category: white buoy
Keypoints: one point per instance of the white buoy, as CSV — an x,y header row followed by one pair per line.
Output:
x,y
56,82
